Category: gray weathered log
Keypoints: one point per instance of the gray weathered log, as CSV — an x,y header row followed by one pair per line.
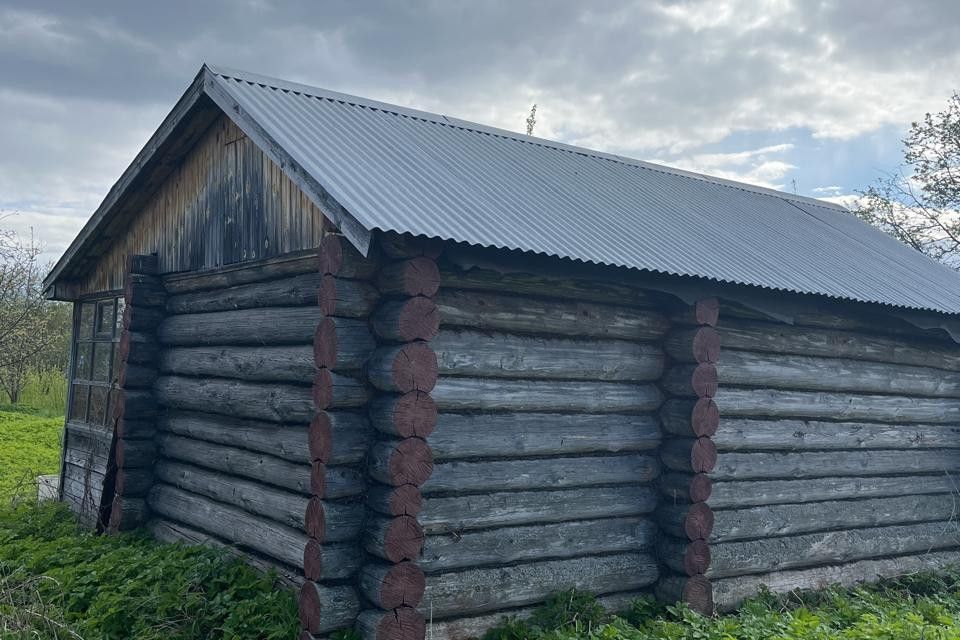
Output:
x,y
772,403
405,623
540,434
479,511
417,276
343,521
132,454
782,338
537,542
265,326
816,549
145,319
138,347
258,364
262,535
393,539
135,404
482,590
127,513
400,461
261,401
695,591
820,464
136,376
682,488
690,455
403,368
406,319
729,592
133,482
341,482
745,434
338,608
793,519
782,371
503,355
457,394
351,434
496,312
390,586
541,473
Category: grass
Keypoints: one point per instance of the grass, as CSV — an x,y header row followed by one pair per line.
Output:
x,y
29,446
44,394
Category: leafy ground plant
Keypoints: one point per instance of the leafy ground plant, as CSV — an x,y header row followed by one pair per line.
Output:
x,y
29,446
57,581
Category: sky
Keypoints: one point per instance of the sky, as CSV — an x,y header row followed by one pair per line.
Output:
x,y
809,97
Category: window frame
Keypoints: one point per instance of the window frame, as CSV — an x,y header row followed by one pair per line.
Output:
x,y
87,345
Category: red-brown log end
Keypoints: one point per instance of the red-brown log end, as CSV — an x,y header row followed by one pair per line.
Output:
x,y
411,462
124,346
327,295
696,557
118,454
325,344
705,418
405,623
414,277
698,594
119,404
413,414
706,345
119,482
707,311
322,389
704,380
320,437
313,560
701,486
403,539
309,607
405,500
419,319
699,521
403,585
116,515
703,455
318,478
315,520
414,368
331,254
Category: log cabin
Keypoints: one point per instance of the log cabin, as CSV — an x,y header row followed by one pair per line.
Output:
x,y
432,371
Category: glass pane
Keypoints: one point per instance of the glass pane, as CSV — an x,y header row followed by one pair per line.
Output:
x,y
78,404
105,318
84,356
85,329
121,306
102,354
98,405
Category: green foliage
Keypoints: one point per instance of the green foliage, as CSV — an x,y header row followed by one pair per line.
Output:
x,y
57,581
918,607
29,446
44,394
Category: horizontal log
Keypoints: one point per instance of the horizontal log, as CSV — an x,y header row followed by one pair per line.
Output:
x,y
537,542
805,341
342,521
680,487
404,623
145,319
136,376
817,549
730,592
133,483
353,298
406,320
344,435
339,482
510,435
132,454
453,394
501,509
403,368
542,473
819,464
342,344
265,326
408,415
695,591
323,609
545,283
691,455
258,400
135,404
793,519
389,586
416,276
401,246
514,314
482,590
127,513
143,290
399,462
262,535
258,364
782,371
138,348
404,500
773,403
745,434
394,539
502,355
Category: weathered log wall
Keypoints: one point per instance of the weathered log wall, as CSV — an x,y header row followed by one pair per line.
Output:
x,y
832,456
263,427
538,412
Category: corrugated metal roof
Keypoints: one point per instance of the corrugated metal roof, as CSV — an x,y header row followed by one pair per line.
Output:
x,y
396,169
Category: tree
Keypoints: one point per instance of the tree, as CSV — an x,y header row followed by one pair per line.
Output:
x,y
920,203
31,327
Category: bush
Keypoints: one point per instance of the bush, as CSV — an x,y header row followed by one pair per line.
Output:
x,y
58,581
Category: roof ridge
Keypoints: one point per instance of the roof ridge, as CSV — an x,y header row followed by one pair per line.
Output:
x,y
444,120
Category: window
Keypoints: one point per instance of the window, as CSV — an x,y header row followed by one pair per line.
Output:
x,y
97,326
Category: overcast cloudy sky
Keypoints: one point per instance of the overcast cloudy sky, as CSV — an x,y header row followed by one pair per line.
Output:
x,y
806,96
